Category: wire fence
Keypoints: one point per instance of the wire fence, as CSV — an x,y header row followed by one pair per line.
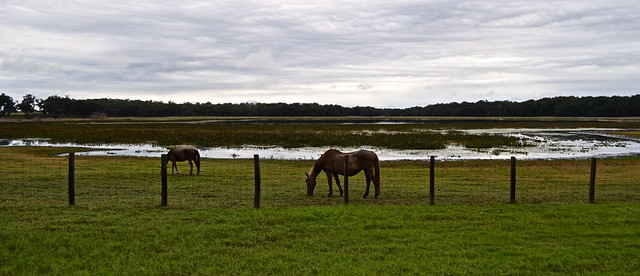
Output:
x,y
137,181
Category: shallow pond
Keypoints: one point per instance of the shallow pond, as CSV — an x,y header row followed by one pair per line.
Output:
x,y
545,144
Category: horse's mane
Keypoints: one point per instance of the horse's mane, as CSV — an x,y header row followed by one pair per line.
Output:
x,y
313,168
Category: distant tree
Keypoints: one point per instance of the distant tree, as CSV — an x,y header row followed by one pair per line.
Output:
x,y
28,105
7,105
56,106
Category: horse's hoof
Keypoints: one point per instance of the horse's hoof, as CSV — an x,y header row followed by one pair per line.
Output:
x,y
365,196
329,195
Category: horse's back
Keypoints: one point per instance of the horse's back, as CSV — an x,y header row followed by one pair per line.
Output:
x,y
361,154
182,153
334,159
366,154
331,153
366,158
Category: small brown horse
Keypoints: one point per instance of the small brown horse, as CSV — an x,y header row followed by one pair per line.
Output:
x,y
332,163
180,154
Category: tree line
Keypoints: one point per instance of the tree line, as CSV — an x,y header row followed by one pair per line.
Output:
x,y
60,107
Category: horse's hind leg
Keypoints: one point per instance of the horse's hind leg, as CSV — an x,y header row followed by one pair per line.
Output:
x,y
367,175
190,165
335,175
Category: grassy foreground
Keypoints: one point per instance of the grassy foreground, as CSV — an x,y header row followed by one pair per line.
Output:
x,y
539,239
209,227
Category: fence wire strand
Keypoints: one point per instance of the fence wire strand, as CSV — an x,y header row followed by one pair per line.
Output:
x,y
135,181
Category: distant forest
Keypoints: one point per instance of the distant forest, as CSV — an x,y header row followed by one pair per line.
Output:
x,y
56,106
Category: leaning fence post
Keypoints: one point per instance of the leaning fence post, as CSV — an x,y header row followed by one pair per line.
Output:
x,y
346,179
592,183
256,168
513,180
163,173
432,179
72,178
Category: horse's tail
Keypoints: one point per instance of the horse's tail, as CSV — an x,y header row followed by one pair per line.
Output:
x,y
376,177
197,160
377,172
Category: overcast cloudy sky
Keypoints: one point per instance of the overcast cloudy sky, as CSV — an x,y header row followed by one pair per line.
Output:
x,y
397,53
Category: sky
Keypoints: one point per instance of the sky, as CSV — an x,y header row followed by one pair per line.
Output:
x,y
391,54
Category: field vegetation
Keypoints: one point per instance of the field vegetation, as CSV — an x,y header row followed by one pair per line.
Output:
x,y
287,135
419,133
635,134
209,226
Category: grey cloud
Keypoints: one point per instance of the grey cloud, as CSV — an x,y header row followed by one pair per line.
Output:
x,y
409,52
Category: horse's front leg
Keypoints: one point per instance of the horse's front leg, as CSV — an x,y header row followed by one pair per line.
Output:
x,y
330,185
336,176
190,165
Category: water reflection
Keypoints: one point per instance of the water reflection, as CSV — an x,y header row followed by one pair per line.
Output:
x,y
547,144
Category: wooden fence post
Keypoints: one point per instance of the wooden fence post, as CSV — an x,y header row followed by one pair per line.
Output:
x,y
592,182
72,178
513,180
346,179
256,169
163,173
432,179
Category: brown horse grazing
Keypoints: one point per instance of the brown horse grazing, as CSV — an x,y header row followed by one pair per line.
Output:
x,y
180,154
332,163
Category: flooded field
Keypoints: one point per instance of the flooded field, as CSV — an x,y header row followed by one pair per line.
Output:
x,y
543,144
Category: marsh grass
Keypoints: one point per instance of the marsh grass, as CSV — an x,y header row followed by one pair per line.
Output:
x,y
628,133
404,136
422,133
209,227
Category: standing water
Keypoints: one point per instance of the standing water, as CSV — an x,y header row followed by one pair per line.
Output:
x,y
544,144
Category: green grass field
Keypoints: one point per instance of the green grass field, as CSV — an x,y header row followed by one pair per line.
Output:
x,y
209,226
541,239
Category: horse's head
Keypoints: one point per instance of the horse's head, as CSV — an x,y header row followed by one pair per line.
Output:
x,y
311,184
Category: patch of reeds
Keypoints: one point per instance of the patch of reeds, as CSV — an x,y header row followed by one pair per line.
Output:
x,y
409,136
